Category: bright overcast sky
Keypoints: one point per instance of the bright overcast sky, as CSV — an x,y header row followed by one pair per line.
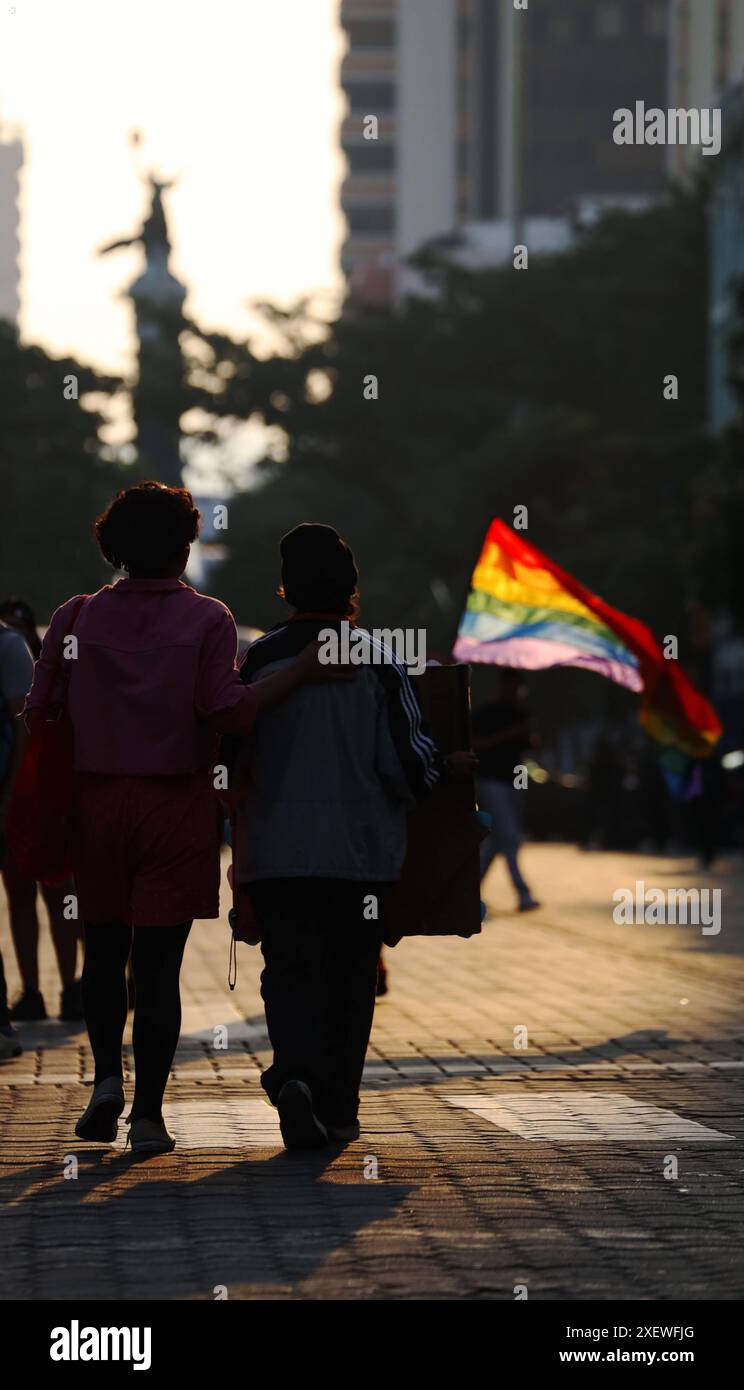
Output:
x,y
237,99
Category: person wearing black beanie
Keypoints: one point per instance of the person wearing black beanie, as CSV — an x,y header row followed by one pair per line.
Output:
x,y
318,570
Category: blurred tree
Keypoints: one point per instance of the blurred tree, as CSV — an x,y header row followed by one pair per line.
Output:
x,y
408,427
493,389
53,480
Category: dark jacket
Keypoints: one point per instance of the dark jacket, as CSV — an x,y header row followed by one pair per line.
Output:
x,y
333,769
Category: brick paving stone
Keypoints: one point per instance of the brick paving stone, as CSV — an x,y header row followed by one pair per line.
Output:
x,y
434,1201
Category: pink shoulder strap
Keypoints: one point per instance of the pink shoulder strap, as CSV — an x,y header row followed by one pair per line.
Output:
x,y
58,659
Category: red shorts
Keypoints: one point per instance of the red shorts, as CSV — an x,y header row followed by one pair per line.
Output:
x,y
146,850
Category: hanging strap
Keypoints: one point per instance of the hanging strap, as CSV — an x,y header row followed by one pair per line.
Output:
x,y
56,668
232,962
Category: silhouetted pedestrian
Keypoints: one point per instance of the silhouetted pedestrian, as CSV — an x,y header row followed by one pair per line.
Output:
x,y
502,731
152,683
22,893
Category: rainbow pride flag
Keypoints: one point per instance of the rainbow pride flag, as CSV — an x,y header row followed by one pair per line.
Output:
x,y
525,612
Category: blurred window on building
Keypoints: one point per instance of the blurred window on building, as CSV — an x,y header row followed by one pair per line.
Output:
x,y
372,156
371,33
371,96
609,20
464,30
561,27
656,19
371,219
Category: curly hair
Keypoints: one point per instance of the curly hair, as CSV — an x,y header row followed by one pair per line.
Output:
x,y
146,527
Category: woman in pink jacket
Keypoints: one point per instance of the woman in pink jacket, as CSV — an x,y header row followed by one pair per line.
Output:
x,y
150,680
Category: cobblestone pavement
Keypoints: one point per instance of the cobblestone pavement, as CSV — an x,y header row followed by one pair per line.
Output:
x,y
483,1165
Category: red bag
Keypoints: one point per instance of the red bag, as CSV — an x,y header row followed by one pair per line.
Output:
x,y
40,816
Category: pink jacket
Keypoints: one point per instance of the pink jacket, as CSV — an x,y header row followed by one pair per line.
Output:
x,y
150,681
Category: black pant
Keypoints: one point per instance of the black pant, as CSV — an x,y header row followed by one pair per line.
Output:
x,y
318,986
156,953
4,1015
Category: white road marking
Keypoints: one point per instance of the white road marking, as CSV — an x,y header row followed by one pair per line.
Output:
x,y
220,1124
578,1117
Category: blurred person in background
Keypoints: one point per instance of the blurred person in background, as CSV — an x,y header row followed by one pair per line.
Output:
x,y
22,893
705,798
605,787
16,674
503,730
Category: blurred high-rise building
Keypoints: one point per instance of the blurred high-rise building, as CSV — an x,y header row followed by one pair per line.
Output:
x,y
540,88
708,70
488,113
369,195
706,56
495,124
11,162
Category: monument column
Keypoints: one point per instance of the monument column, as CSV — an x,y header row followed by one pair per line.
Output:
x,y
158,394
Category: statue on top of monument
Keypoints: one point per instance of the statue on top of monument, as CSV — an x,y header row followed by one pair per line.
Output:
x,y
154,231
